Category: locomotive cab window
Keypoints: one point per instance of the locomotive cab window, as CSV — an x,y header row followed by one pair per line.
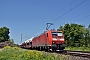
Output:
x,y
59,34
56,33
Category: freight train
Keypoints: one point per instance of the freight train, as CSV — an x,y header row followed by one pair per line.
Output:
x,y
50,40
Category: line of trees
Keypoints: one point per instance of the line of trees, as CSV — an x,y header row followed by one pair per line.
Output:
x,y
76,35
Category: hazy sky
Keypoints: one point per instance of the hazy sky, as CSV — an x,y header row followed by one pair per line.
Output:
x,y
29,17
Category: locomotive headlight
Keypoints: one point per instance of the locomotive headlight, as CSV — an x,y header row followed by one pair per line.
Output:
x,y
53,42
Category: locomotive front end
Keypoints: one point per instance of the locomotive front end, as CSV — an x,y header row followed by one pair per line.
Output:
x,y
58,41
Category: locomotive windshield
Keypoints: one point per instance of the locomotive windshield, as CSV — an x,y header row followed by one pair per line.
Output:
x,y
56,33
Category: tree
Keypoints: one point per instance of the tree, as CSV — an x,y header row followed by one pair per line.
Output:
x,y
74,34
4,34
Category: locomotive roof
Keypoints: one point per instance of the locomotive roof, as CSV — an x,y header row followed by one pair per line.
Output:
x,y
47,31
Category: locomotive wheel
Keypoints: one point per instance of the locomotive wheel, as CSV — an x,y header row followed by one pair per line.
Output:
x,y
53,49
46,50
38,48
42,48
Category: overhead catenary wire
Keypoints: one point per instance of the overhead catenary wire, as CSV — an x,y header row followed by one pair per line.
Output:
x,y
38,30
80,14
55,15
82,18
69,10
63,8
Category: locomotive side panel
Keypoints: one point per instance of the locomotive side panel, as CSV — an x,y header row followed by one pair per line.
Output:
x,y
42,40
49,38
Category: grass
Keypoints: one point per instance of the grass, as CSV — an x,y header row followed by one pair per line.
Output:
x,y
78,48
15,53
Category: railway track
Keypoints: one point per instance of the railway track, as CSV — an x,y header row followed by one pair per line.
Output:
x,y
76,53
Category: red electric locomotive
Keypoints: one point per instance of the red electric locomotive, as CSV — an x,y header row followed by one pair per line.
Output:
x,y
49,40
